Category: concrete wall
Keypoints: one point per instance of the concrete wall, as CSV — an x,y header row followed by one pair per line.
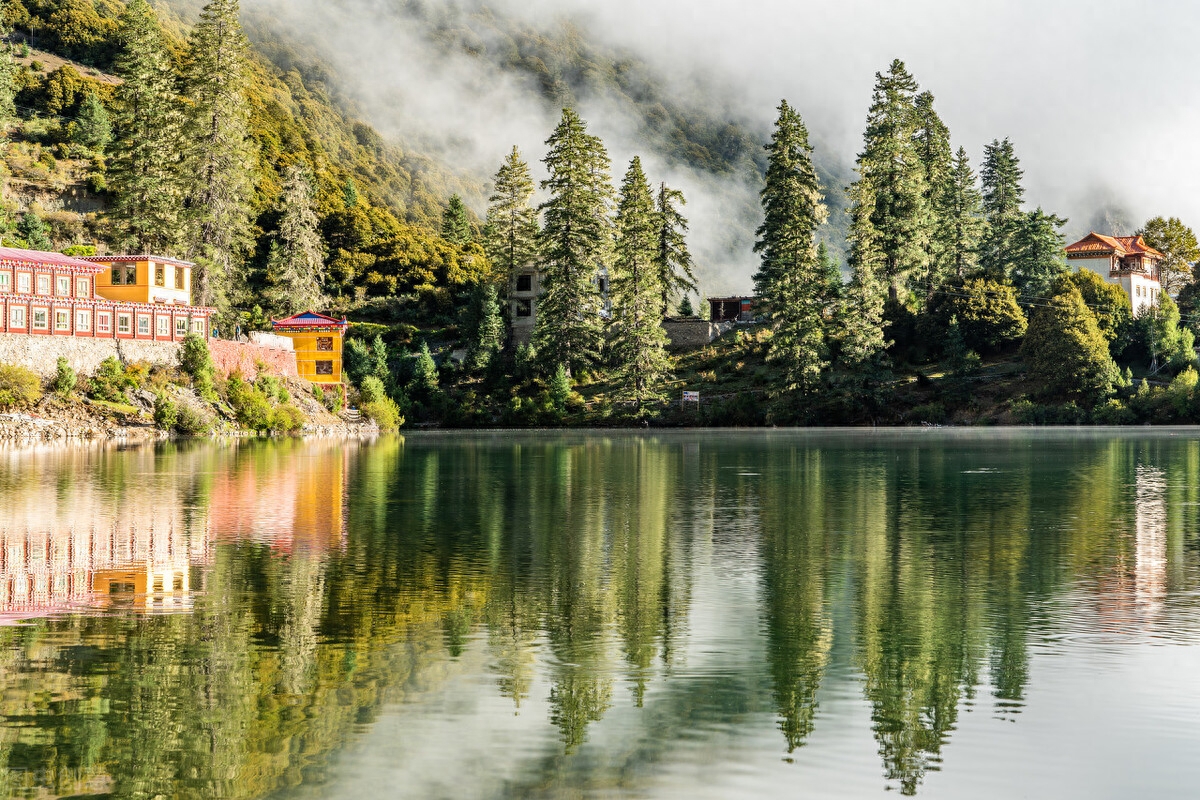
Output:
x,y
690,334
41,354
245,357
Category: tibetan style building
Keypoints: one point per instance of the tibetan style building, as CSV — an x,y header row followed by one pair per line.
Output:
x,y
317,340
1126,261
49,294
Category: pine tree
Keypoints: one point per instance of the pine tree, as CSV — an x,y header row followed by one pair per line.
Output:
x,y
93,127
576,243
1037,257
296,272
221,154
828,267
350,194
8,82
933,148
674,260
890,215
685,307
34,231
145,172
489,328
456,225
511,233
425,378
790,283
639,343
1002,196
960,223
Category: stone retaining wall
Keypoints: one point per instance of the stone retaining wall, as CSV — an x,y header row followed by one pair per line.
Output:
x,y
690,334
41,354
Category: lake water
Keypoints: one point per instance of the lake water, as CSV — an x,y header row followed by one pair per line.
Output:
x,y
950,614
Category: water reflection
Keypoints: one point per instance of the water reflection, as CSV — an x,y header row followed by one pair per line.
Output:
x,y
536,616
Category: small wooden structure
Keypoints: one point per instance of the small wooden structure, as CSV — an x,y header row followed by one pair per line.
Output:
x,y
730,309
318,343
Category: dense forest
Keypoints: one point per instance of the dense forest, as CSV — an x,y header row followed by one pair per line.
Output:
x,y
166,129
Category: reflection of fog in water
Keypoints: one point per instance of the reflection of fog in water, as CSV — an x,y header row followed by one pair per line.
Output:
x,y
1150,562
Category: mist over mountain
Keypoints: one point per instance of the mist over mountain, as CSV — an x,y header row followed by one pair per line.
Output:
x,y
464,83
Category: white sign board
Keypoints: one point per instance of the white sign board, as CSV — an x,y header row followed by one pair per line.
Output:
x,y
691,397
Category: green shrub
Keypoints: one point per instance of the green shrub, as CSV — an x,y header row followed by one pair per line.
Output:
x,y
286,418
333,400
18,386
384,412
191,422
166,413
371,390
932,413
1114,412
196,360
987,312
250,406
64,379
1065,351
111,380
273,388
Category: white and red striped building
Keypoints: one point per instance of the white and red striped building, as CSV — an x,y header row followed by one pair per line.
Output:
x,y
49,294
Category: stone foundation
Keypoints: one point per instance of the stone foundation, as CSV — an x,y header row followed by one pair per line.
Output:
x,y
690,334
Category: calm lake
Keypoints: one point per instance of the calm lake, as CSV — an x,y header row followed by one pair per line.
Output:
x,y
947,614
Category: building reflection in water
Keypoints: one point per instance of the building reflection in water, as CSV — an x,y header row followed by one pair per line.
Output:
x,y
1150,558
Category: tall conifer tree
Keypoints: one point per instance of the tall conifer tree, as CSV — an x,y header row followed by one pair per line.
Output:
x,y
790,282
221,152
511,232
890,214
639,342
961,224
933,148
456,225
1002,196
145,171
576,243
296,272
8,82
673,259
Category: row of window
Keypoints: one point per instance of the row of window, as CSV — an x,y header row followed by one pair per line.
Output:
x,y
62,284
1145,291
165,275
18,317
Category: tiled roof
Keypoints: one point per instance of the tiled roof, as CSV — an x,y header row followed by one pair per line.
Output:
x,y
145,257
1097,244
309,319
15,255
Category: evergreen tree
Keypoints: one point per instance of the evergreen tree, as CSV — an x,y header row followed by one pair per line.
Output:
x,y
890,215
638,339
685,307
576,244
8,81
960,220
488,340
34,231
1037,258
456,225
560,389
933,149
674,260
790,282
220,156
1002,196
350,194
144,171
296,273
92,127
828,267
511,234
425,378
1065,351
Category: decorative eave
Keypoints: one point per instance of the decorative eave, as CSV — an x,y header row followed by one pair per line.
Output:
x,y
311,321
16,258
134,259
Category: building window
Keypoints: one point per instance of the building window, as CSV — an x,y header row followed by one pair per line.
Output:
x,y
41,319
62,320
62,286
104,322
43,284
5,281
160,275
198,326
124,274
83,287
164,326
83,320
181,326
324,367
523,308
325,344
23,283
525,283
143,324
16,317
124,323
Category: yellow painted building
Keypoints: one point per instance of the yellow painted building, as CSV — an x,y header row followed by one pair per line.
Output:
x,y
144,279
317,340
